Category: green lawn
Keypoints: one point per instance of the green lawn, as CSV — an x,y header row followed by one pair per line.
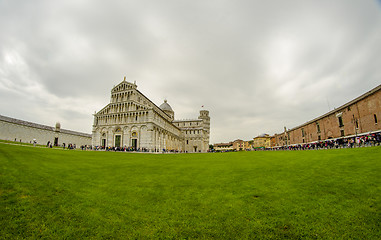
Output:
x,y
57,194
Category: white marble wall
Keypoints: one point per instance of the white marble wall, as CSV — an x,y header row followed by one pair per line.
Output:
x,y
10,131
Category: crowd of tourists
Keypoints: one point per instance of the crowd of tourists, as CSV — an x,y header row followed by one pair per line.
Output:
x,y
366,140
132,149
63,145
122,149
373,139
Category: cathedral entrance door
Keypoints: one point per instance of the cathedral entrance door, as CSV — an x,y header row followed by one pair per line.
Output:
x,y
134,143
117,140
195,148
103,142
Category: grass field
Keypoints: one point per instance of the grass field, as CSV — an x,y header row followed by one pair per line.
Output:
x,y
57,194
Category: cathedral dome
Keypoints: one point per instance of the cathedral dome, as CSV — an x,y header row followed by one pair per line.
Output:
x,y
166,107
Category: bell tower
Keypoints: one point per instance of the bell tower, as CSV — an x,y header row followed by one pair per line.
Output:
x,y
204,116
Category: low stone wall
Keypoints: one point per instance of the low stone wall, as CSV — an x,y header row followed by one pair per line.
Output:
x,y
22,131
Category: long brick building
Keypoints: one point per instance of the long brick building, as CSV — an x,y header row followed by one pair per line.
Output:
x,y
357,117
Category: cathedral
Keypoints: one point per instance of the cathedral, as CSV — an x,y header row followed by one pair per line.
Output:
x,y
133,121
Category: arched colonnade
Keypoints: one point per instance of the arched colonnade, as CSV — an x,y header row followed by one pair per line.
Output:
x,y
139,137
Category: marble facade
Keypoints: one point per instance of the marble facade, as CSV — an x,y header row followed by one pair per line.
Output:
x,y
131,120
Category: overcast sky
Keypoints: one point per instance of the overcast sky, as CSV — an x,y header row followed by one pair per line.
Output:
x,y
257,66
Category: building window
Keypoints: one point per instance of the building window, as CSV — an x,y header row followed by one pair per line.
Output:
x,y
302,132
187,141
341,122
318,127
375,118
319,137
357,123
342,133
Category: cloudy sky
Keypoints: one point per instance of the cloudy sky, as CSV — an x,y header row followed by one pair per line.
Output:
x,y
255,65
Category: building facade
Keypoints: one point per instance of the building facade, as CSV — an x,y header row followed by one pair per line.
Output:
x,y
132,120
358,117
240,145
22,131
223,147
262,141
